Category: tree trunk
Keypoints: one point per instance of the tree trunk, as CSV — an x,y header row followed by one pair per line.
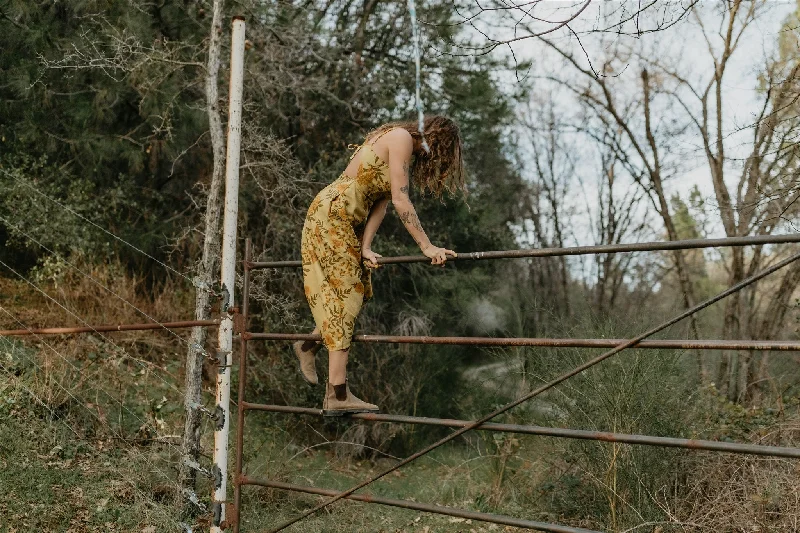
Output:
x,y
687,290
773,320
209,266
729,367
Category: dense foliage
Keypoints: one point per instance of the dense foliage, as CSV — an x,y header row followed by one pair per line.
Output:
x,y
105,162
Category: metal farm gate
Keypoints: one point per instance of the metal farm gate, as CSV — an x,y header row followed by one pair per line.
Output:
x,y
462,426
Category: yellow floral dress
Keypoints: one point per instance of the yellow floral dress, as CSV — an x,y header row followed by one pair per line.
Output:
x,y
335,282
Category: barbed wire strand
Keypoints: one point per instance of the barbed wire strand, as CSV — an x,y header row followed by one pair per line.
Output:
x,y
170,385
106,288
41,401
103,423
18,381
193,281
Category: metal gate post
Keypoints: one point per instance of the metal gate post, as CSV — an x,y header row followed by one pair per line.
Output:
x,y
237,475
228,276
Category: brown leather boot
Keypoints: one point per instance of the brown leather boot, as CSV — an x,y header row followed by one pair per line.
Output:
x,y
307,367
352,404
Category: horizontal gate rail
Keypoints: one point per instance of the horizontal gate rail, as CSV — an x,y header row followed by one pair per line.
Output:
x,y
547,386
786,346
688,244
647,440
107,328
425,507
485,424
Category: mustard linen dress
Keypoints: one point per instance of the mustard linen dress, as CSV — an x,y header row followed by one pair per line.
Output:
x,y
335,282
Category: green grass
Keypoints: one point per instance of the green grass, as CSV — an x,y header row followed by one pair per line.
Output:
x,y
461,475
53,480
73,460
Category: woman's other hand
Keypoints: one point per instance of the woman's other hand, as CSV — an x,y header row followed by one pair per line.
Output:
x,y
370,257
438,255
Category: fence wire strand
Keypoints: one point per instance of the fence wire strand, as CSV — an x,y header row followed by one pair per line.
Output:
x,y
103,286
104,230
75,368
103,423
104,337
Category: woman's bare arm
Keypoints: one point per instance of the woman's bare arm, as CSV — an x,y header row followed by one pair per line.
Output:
x,y
400,149
374,220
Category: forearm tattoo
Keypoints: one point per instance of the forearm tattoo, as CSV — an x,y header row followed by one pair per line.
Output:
x,y
410,218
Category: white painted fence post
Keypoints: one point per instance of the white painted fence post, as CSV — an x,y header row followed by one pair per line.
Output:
x,y
228,276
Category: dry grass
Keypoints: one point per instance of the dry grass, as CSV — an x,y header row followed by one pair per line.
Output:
x,y
104,410
740,493
80,292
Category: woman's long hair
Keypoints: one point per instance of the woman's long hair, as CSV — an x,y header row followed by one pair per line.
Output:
x,y
441,169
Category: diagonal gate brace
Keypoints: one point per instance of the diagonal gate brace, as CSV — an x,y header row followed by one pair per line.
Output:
x,y
575,371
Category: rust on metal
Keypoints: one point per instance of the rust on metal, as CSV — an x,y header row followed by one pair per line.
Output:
x,y
231,516
425,507
237,475
238,323
687,244
544,431
108,328
669,344
547,386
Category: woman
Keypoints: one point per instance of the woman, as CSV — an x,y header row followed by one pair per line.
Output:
x,y
341,223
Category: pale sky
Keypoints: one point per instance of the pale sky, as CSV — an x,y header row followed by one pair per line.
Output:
x,y
684,44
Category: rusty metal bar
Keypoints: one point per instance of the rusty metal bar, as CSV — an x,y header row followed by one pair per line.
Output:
x,y
237,475
547,386
646,440
688,244
425,507
106,328
785,346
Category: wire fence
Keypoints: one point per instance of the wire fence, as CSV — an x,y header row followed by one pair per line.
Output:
x,y
461,426
484,424
166,476
170,327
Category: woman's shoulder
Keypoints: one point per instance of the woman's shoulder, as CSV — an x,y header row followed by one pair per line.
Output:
x,y
398,140
399,135
396,134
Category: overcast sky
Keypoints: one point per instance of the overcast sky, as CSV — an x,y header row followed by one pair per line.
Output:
x,y
684,43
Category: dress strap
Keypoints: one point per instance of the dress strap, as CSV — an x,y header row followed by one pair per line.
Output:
x,y
381,134
355,147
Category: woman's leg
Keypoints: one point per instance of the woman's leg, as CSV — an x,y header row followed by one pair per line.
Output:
x,y
306,355
312,346
337,367
338,398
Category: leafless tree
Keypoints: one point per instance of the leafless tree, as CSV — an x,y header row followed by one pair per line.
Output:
x,y
755,194
552,180
503,23
622,122
640,123
618,219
